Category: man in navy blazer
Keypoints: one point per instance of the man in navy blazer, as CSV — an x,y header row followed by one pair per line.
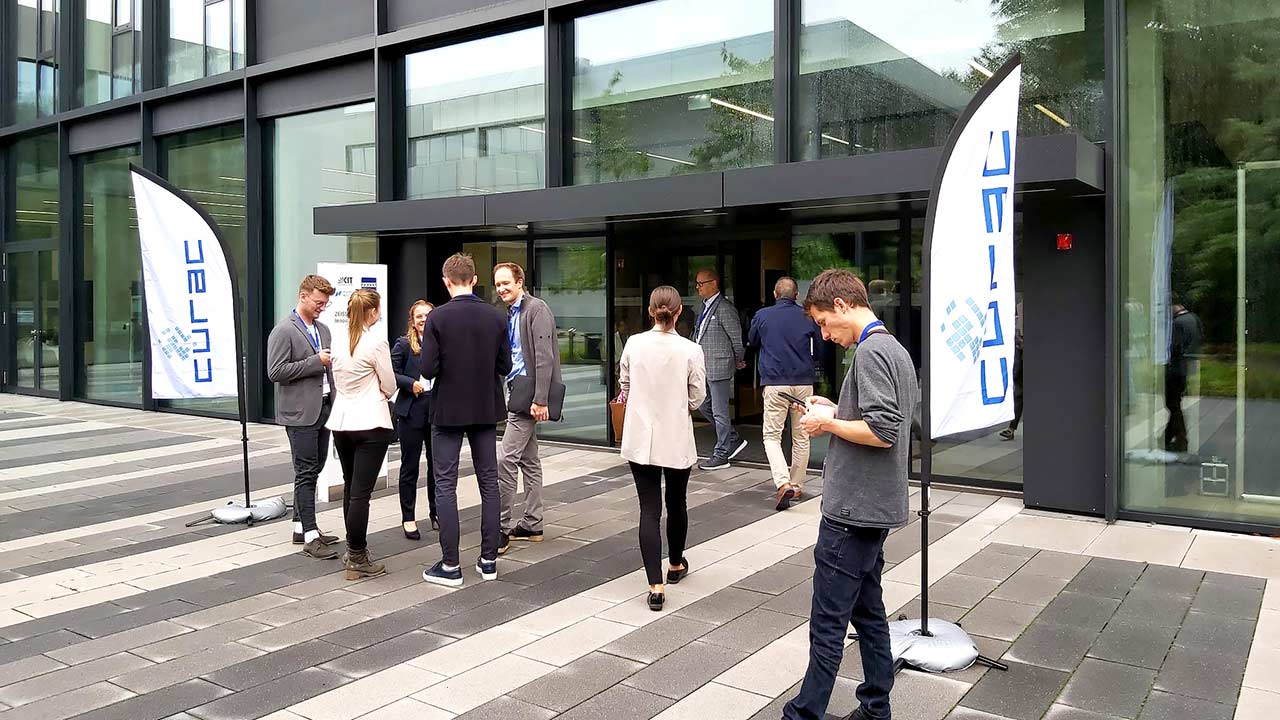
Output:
x,y
465,351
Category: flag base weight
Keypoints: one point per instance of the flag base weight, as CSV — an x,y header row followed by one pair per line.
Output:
x,y
235,512
946,647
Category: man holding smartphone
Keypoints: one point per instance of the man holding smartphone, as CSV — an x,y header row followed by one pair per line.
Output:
x,y
787,340
864,495
298,361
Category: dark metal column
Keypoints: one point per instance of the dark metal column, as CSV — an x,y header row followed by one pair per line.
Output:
x,y
256,309
786,22
151,160
558,68
155,25
71,304
1114,102
8,61
70,55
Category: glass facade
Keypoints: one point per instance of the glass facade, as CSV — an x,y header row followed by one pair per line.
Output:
x,y
208,165
205,38
669,87
654,97
111,334
876,77
37,58
569,274
1200,380
476,114
112,36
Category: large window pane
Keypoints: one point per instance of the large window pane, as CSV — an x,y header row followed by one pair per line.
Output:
x,y
110,49
672,87
36,56
475,116
36,177
569,275
111,330
878,76
204,39
1200,318
209,166
317,159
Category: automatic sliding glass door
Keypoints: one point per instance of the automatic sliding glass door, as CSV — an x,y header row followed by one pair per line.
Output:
x,y
33,305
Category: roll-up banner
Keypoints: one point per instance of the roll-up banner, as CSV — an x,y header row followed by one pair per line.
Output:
x,y
969,246
189,293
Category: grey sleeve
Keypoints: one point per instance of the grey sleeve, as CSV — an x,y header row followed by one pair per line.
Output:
x,y
733,328
878,395
545,350
281,367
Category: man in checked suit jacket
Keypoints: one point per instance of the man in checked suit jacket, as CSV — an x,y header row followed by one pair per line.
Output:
x,y
719,331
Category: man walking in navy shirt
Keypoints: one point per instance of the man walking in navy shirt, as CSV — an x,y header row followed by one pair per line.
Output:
x,y
787,340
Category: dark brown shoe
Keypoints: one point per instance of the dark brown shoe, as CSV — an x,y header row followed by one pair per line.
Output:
x,y
358,565
318,550
786,494
300,538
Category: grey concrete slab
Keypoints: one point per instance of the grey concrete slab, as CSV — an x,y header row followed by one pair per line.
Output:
x,y
992,565
1056,564
1232,599
723,605
775,579
658,639
754,630
270,696
1203,675
619,702
1029,589
1079,610
685,670
1141,645
578,681
508,708
1025,692
1163,705
71,678
1218,634
1144,607
160,704
387,653
999,618
1163,579
1050,645
1106,577
274,665
962,590
69,704
796,601
1108,688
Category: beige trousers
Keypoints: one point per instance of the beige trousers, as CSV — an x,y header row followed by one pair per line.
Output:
x,y
776,409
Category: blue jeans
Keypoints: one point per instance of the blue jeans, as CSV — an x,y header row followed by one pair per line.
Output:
x,y
716,410
846,588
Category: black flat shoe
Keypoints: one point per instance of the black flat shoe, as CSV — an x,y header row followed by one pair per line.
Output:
x,y
675,576
411,534
656,601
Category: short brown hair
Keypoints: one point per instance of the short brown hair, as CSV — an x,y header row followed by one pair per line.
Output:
x,y
315,282
832,284
517,272
460,268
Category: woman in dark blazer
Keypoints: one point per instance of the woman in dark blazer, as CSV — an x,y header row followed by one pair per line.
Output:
x,y
413,413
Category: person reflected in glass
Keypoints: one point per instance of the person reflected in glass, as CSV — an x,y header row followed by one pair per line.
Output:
x,y
361,424
1184,364
413,413
1009,432
663,379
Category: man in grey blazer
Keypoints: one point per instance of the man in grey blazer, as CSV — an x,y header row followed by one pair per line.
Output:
x,y
535,354
719,331
298,361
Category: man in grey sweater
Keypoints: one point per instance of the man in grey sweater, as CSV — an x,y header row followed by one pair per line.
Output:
x,y
864,495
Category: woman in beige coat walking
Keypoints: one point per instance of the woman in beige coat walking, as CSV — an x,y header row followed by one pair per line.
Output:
x,y
663,378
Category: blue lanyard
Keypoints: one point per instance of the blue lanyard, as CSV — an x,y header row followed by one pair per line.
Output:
x,y
312,333
870,329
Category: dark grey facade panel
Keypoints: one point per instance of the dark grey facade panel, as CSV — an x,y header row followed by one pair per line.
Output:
x,y
400,215
638,197
1064,353
289,26
105,131
318,88
461,13
189,112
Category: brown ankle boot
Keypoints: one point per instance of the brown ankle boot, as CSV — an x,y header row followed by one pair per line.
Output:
x,y
358,565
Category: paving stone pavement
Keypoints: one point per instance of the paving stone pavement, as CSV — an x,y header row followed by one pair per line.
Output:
x,y
111,607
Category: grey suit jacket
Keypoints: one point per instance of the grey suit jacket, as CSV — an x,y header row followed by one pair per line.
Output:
x,y
721,340
539,345
294,365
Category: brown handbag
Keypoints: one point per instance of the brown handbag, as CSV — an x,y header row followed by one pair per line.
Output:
x,y
617,413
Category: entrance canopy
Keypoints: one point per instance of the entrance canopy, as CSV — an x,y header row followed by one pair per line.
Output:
x,y
1068,163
